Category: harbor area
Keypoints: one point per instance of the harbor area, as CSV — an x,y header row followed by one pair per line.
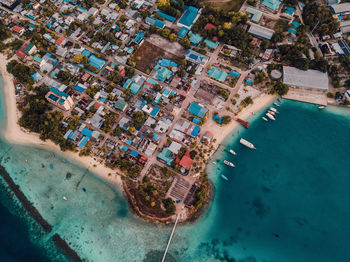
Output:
x,y
307,96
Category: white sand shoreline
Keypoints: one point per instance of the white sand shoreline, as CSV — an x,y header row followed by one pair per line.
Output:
x,y
14,134
221,132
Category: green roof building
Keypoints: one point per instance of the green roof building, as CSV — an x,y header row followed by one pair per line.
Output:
x,y
217,74
163,74
166,155
272,4
121,104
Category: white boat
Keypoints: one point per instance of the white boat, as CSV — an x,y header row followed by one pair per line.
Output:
x,y
265,119
270,116
271,112
276,104
232,152
273,109
214,163
247,143
228,163
224,177
321,107
64,198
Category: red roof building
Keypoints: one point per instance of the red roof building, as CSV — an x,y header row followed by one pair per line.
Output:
x,y
209,26
60,40
21,54
17,29
215,38
186,161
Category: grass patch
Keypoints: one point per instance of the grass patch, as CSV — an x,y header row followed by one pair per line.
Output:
x,y
148,54
228,5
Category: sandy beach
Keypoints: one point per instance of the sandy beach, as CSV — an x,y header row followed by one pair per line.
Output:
x,y
14,134
220,132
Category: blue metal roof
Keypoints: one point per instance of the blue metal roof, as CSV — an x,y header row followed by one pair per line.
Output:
x,y
87,132
195,131
58,92
197,110
166,16
83,141
183,32
189,16
134,153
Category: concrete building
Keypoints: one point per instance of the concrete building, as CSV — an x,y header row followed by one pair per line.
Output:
x,y
59,99
310,79
261,32
341,9
11,4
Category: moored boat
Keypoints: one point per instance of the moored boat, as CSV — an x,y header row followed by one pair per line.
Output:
x,y
271,112
273,109
276,104
321,107
270,116
228,163
246,143
224,177
232,152
265,119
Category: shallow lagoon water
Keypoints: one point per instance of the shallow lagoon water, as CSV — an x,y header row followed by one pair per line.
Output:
x,y
286,201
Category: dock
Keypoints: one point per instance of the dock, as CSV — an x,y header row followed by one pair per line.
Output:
x,y
312,97
171,236
242,122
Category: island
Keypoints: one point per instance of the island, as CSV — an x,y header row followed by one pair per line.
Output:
x,y
143,93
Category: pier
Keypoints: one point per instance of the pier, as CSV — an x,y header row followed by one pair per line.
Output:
x,y
171,236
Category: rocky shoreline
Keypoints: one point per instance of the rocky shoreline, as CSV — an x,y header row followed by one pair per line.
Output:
x,y
170,219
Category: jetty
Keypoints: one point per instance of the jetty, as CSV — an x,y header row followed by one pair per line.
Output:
x,y
171,236
242,122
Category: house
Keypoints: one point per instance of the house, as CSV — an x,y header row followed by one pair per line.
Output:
x,y
121,104
211,44
36,6
310,79
18,30
197,110
272,5
217,74
209,26
196,57
11,4
186,161
154,21
261,32
29,48
341,9
166,16
61,41
138,39
255,15
166,156
195,39
21,54
59,98
267,54
183,32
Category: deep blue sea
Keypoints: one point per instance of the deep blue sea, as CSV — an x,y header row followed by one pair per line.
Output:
x,y
287,201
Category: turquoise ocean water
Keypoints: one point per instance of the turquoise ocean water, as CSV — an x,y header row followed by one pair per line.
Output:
x,y
286,201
